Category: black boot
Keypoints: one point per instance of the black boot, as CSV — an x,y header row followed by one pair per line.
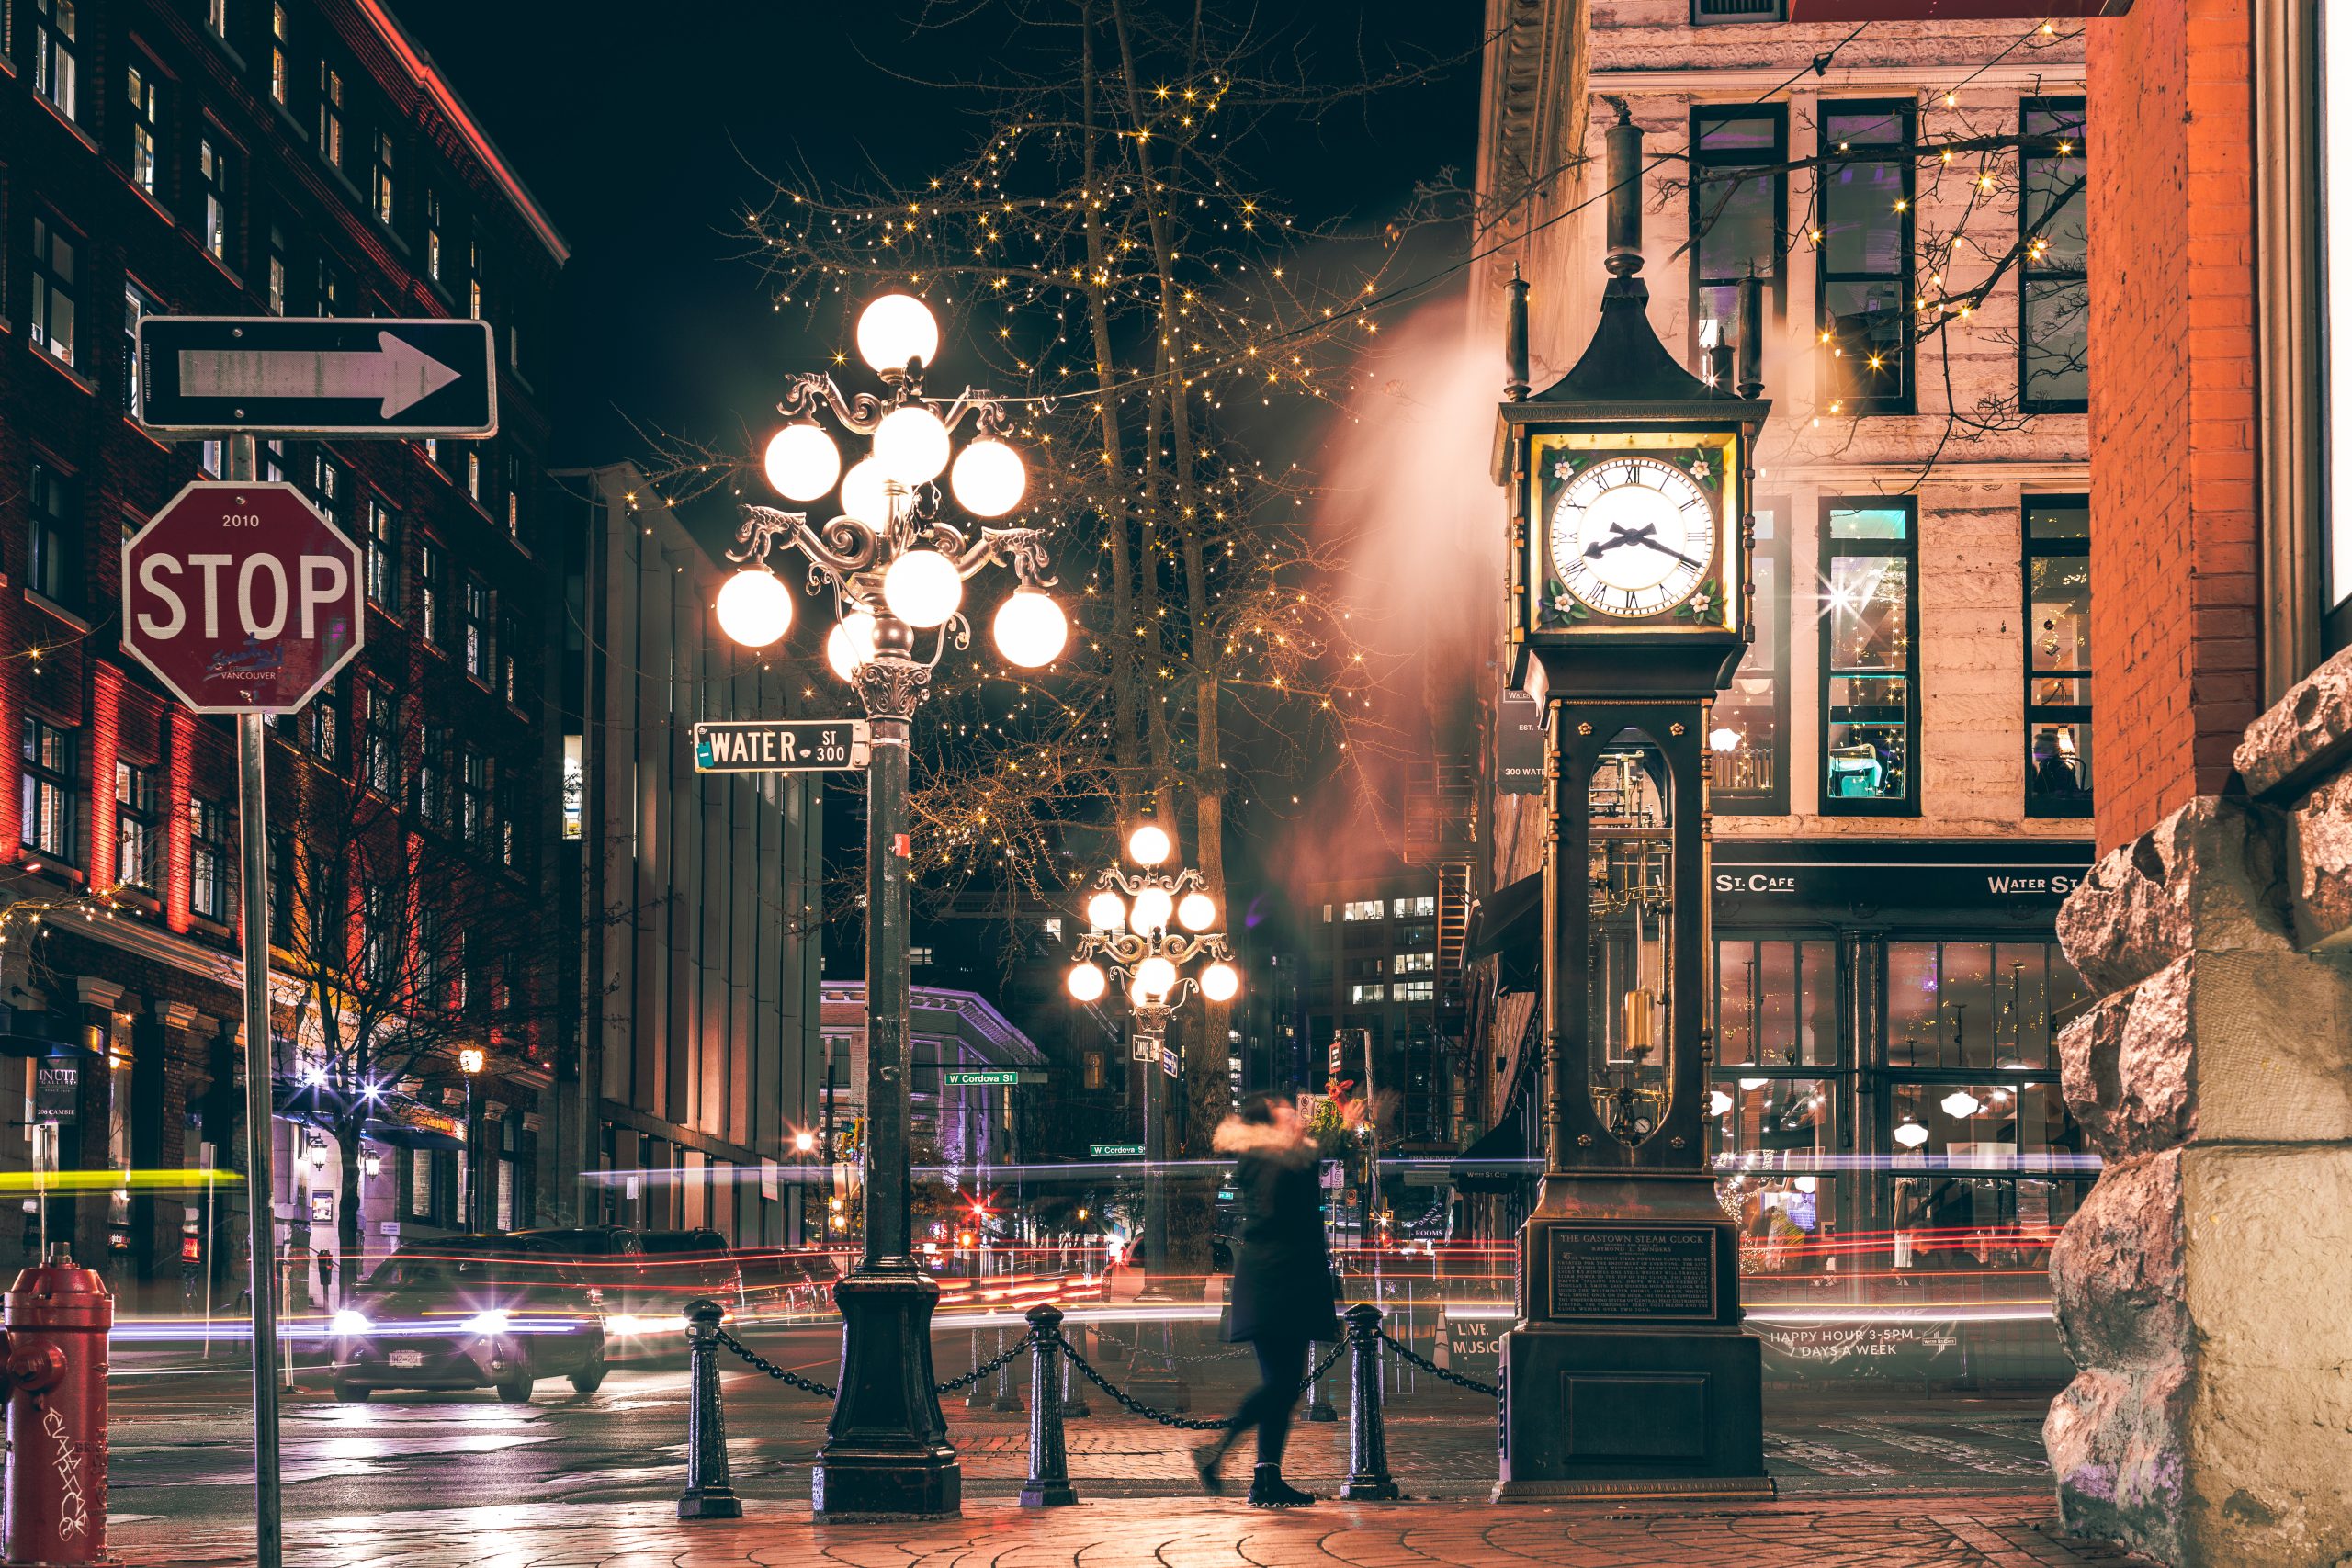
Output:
x,y
1206,1460
1268,1490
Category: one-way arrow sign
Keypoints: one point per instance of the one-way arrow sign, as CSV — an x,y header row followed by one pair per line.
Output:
x,y
205,375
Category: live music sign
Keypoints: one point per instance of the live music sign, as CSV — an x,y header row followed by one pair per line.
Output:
x,y
241,597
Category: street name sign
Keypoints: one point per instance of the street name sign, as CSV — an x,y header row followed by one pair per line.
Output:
x,y
241,597
780,745
981,1077
1115,1151
317,376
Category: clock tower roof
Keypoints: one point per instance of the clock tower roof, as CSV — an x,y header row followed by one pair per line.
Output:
x,y
1626,374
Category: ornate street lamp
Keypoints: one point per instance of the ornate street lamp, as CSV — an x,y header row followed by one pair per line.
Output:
x,y
1129,939
896,565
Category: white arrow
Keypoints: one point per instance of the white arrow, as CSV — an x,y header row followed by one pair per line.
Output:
x,y
398,372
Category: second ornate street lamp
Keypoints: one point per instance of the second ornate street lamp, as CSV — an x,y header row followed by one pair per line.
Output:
x,y
1128,937
896,566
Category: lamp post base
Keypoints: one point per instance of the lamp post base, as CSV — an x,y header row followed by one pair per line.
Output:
x,y
887,1452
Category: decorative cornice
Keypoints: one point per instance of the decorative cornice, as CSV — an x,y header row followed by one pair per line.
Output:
x,y
1745,83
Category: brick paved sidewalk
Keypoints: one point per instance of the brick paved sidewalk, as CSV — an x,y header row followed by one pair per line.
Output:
x,y
1877,1532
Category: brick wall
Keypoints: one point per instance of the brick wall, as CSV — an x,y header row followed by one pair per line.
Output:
x,y
2173,541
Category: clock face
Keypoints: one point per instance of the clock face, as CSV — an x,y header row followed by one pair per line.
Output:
x,y
1633,536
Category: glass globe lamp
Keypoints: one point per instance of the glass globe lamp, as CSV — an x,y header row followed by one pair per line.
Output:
x,y
912,445
1031,629
923,588
866,493
1149,844
802,462
987,479
849,648
1960,1104
1105,911
1196,911
894,329
1086,982
1220,983
1911,1134
754,607
1157,976
1151,913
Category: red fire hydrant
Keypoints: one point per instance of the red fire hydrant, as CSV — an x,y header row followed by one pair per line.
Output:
x,y
53,1370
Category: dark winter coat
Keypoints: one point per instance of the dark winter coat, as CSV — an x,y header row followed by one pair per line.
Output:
x,y
1282,1270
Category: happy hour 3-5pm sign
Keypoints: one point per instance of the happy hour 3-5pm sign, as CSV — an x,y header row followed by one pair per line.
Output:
x,y
241,597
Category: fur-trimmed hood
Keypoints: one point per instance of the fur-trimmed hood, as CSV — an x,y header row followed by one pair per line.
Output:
x,y
1263,1140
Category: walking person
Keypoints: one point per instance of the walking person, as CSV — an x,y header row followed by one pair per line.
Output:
x,y
1282,1297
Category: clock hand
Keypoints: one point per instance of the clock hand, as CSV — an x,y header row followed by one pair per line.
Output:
x,y
1622,536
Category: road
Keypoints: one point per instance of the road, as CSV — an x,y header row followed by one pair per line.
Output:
x,y
181,1453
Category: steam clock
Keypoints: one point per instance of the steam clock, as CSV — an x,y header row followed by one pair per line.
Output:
x,y
1626,1371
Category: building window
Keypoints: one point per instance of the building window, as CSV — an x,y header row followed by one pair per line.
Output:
x,y
1739,222
509,641
2058,656
137,862
49,799
1776,1004
136,303
53,537
1870,653
1424,906
1864,256
2053,281
53,290
421,1187
474,637
278,41
1749,735
212,179
473,477
208,458
430,969
383,556
325,721
144,120
383,178
55,43
281,889
1364,909
331,289
514,498
379,740
433,235
473,798
328,483
1977,1006
1367,993
918,957
1416,963
331,114
432,776
1416,990
1704,12
428,593
216,16
207,883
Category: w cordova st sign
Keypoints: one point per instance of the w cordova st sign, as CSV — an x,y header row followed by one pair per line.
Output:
x,y
241,597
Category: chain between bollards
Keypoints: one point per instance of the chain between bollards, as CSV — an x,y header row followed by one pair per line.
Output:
x,y
710,1483
1368,1478
1048,1485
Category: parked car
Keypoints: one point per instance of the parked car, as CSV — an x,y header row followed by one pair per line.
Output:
x,y
440,1316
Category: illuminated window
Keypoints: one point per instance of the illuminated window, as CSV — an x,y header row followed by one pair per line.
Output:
x,y
1417,962
49,801
56,27
1738,220
2053,281
1870,658
383,183
212,179
1416,990
207,884
143,121
1863,257
383,556
278,52
1367,993
55,287
330,114
136,303
53,536
2058,656
1748,733
1364,909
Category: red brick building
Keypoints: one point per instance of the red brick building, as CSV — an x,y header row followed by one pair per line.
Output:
x,y
239,157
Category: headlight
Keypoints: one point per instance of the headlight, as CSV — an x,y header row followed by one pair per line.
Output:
x,y
630,1324
491,1321
349,1322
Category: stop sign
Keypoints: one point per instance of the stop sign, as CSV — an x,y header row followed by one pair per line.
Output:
x,y
241,597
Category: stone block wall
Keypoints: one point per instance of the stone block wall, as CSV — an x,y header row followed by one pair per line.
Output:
x,y
2202,1286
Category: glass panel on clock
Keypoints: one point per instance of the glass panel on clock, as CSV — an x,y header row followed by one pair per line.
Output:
x,y
1629,989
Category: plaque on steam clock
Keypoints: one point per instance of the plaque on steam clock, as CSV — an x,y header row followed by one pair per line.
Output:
x,y
1632,1272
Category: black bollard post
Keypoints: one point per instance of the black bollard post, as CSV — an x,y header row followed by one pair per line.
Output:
x,y
710,1483
1368,1478
1048,1485
1074,1405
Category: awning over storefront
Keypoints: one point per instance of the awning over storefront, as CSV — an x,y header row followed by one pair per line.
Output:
x,y
1508,924
405,1124
34,1032
1499,1162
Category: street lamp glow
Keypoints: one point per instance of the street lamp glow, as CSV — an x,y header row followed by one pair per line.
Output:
x,y
1149,844
1219,982
1031,629
1196,911
1151,910
1086,982
912,445
1155,976
894,329
1106,912
849,647
754,607
987,479
923,588
804,1143
471,1059
866,493
802,462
